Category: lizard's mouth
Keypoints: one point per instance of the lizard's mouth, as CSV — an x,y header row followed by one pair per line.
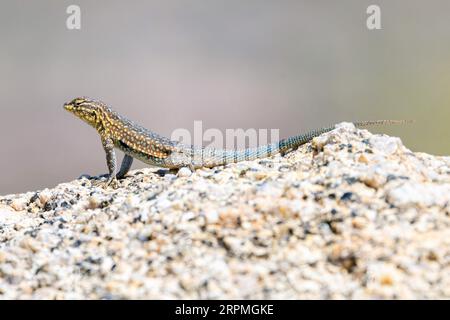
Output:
x,y
68,106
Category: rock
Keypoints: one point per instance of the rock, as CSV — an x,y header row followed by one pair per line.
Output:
x,y
420,194
350,215
184,172
212,216
19,204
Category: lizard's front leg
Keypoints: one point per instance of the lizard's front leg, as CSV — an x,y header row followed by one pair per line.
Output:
x,y
108,146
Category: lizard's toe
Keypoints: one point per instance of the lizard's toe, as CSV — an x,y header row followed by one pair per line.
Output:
x,y
114,183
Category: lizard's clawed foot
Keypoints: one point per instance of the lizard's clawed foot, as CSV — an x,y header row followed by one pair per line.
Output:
x,y
111,182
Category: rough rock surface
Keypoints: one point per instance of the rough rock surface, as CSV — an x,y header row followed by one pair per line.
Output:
x,y
350,215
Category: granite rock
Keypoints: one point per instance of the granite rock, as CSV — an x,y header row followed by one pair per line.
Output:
x,y
349,215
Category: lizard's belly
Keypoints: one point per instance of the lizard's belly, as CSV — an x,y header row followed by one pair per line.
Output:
x,y
184,157
173,160
141,156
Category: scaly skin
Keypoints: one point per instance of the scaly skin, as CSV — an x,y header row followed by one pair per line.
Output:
x,y
140,143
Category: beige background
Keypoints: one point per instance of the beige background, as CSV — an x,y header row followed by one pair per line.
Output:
x,y
292,65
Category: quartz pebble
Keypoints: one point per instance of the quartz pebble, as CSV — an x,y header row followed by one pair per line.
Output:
x,y
184,172
350,215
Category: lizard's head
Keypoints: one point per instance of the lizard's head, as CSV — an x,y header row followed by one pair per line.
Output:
x,y
86,109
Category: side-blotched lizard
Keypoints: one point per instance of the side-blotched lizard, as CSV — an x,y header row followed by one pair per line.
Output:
x,y
140,143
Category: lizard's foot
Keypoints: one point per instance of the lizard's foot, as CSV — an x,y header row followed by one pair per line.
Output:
x,y
112,181
120,177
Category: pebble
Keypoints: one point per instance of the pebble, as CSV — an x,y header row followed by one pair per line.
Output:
x,y
212,216
184,172
19,204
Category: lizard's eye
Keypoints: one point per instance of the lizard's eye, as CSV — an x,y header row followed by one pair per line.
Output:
x,y
78,101
92,114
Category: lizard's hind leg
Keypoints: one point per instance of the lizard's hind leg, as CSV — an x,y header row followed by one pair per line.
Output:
x,y
125,167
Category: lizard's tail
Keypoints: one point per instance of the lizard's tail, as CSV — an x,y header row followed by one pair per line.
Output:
x,y
362,124
284,145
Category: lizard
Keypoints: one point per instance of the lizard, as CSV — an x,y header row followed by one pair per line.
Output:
x,y
151,148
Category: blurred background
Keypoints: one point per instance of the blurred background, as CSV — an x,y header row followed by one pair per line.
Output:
x,y
289,65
